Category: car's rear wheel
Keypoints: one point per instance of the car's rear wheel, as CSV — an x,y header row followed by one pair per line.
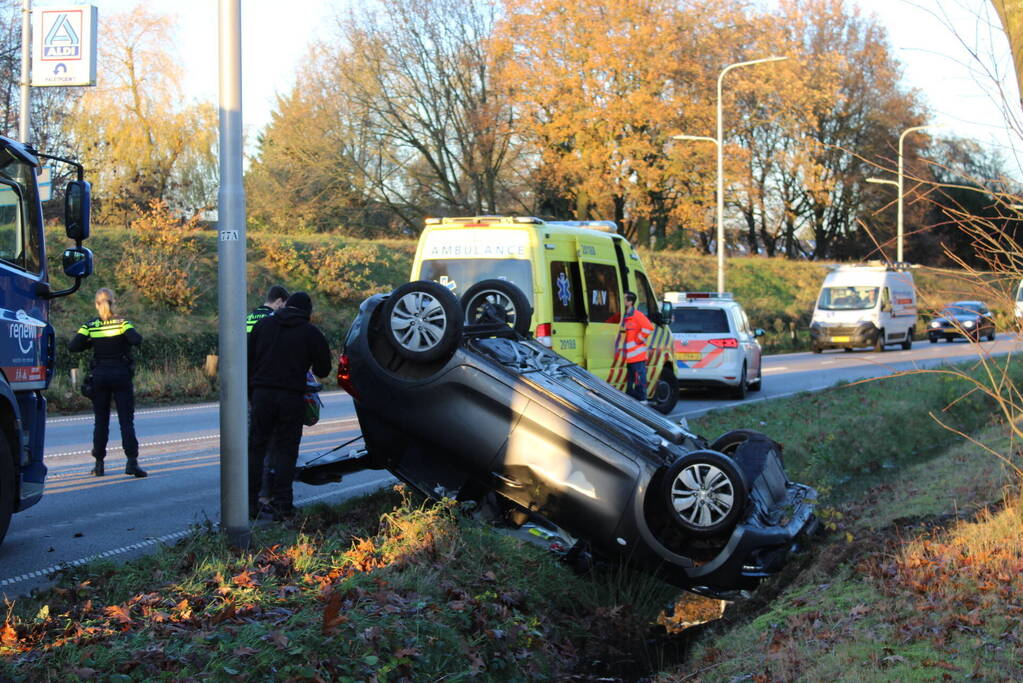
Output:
x,y
497,301
815,348
665,392
991,335
705,493
759,383
739,392
934,340
422,321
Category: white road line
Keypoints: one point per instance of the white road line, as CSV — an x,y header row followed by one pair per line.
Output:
x,y
776,369
166,538
827,362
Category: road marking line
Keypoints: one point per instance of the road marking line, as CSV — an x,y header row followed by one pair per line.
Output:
x,y
43,573
775,369
827,362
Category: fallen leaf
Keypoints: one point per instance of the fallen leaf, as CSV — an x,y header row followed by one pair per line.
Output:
x,y
279,639
244,651
244,580
332,617
118,613
8,636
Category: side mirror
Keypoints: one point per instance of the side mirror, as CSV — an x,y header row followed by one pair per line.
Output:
x,y
759,332
77,262
77,208
667,312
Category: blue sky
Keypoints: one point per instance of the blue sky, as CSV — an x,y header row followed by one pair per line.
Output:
x,y
937,62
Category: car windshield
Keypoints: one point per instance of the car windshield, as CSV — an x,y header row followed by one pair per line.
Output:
x,y
459,275
696,320
959,308
847,298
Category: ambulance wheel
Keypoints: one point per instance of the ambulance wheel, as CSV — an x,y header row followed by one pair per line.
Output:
x,y
705,493
665,392
497,301
421,321
8,487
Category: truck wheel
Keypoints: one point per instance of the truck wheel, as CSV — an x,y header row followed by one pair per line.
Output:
x,y
908,344
665,392
421,321
879,341
8,487
705,493
497,301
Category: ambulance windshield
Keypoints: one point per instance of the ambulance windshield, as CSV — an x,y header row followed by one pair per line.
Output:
x,y
847,298
460,274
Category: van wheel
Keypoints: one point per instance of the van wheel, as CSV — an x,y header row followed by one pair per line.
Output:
x,y
494,300
421,321
665,392
705,493
8,487
879,341
908,344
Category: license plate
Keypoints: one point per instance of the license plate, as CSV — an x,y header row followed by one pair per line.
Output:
x,y
840,339
689,355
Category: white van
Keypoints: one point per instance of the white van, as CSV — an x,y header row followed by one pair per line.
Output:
x,y
1019,302
865,306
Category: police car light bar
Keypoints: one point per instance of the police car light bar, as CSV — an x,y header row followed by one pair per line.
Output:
x,y
681,297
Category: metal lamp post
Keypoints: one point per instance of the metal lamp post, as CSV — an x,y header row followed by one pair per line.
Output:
x,y
719,141
900,185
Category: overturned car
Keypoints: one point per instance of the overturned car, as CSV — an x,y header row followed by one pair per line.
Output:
x,y
455,399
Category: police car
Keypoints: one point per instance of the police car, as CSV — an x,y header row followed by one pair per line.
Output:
x,y
714,343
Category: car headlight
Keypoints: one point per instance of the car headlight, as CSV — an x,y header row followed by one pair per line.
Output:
x,y
935,324
968,323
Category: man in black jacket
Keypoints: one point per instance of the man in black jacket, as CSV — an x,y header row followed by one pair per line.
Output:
x,y
282,349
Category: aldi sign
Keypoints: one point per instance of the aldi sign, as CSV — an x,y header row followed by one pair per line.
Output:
x,y
64,46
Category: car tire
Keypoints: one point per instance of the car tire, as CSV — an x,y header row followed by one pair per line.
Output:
x,y
729,442
506,296
705,493
879,341
8,487
847,349
665,392
422,321
815,348
739,392
933,340
991,335
758,384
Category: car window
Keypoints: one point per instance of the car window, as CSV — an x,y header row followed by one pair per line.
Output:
x,y
960,308
602,293
645,295
19,242
699,320
746,328
459,275
567,288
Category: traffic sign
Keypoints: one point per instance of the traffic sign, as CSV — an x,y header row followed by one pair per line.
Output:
x,y
64,46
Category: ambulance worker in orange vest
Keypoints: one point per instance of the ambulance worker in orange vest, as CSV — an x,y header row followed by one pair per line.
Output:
x,y
637,328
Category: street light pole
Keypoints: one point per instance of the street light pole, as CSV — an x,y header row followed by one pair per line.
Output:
x,y
721,167
900,184
26,61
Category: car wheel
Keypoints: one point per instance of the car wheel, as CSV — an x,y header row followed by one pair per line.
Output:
x,y
497,301
739,392
705,493
815,348
665,392
848,349
908,344
421,320
933,340
729,442
948,339
991,335
879,341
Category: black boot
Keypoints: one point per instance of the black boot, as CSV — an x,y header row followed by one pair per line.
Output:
x,y
132,468
97,470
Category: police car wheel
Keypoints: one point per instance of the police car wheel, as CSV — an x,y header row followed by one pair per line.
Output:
x,y
497,301
705,493
421,321
7,488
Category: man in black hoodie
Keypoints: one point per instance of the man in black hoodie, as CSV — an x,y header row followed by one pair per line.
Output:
x,y
282,349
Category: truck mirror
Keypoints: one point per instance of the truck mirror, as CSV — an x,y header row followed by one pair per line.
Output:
x,y
77,262
667,312
77,207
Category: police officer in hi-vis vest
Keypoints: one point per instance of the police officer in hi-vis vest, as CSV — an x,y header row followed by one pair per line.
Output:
x,y
275,299
111,337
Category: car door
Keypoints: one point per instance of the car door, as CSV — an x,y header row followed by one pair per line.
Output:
x,y
568,328
752,346
603,290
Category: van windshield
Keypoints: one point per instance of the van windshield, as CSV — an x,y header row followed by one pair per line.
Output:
x,y
847,298
693,320
461,274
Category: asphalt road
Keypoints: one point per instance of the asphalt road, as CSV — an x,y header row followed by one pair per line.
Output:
x,y
82,517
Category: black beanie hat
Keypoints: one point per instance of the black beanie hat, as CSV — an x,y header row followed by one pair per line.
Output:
x,y
301,301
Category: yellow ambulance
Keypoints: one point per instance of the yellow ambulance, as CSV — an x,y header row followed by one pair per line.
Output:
x,y
574,273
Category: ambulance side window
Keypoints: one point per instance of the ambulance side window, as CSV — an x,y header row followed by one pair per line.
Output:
x,y
645,296
602,293
567,288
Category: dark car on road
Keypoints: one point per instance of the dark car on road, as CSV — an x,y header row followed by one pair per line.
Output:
x,y
457,401
968,319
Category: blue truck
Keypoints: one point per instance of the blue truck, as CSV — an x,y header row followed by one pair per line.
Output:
x,y
27,340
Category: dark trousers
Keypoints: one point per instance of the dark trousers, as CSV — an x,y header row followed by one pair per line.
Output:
x,y
113,382
275,431
635,380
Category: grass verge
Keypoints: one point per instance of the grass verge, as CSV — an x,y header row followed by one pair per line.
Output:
x,y
384,587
